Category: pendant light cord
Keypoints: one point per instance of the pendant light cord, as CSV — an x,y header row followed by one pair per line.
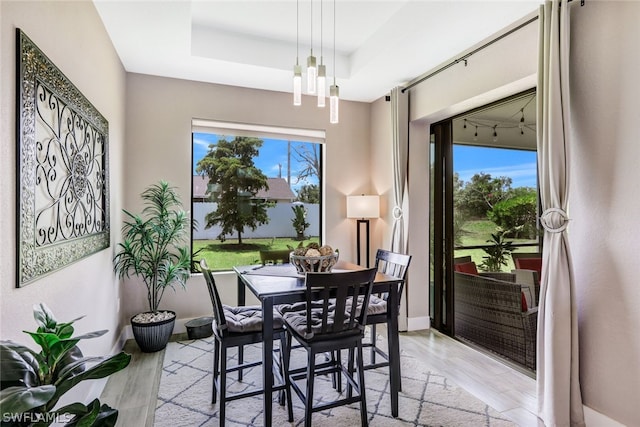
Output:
x,y
311,4
321,48
334,42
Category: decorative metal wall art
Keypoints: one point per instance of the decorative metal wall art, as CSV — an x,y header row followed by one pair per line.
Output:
x,y
62,157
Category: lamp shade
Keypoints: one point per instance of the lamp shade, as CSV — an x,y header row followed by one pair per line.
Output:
x,y
363,206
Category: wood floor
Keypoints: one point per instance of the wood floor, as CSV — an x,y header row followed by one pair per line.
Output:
x,y
510,391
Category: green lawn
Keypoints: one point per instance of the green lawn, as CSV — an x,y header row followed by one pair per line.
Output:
x,y
224,255
477,232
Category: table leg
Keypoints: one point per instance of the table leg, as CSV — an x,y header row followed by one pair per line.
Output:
x,y
267,358
241,292
394,347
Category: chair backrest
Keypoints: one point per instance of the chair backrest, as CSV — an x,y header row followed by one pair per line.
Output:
x,y
394,264
335,301
218,310
276,256
528,261
462,260
516,255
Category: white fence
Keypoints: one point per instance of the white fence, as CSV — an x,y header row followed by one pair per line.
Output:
x,y
280,224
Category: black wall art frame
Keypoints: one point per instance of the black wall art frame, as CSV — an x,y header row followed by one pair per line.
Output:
x,y
62,168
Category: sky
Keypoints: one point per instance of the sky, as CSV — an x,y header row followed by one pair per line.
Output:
x,y
520,165
272,154
468,160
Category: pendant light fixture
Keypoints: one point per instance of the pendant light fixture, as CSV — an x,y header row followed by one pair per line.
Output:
x,y
322,70
312,71
297,70
334,90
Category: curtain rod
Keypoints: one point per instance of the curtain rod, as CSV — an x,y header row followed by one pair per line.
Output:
x,y
476,50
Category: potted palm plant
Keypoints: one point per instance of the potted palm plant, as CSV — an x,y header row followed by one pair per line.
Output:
x,y
498,252
156,250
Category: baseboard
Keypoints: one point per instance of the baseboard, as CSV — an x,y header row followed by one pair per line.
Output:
x,y
418,323
593,418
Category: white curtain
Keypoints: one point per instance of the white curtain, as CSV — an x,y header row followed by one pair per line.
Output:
x,y
400,129
558,386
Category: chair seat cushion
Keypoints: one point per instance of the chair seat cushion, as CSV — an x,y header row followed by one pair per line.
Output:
x,y
296,321
376,306
247,319
298,306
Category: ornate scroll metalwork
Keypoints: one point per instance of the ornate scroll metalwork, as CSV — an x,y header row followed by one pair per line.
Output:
x,y
63,186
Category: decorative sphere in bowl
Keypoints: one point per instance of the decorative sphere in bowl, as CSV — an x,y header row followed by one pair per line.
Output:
x,y
320,263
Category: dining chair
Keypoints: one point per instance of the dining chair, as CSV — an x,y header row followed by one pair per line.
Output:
x,y
329,322
236,327
396,265
275,256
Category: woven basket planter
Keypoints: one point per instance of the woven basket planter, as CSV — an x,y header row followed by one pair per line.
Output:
x,y
154,336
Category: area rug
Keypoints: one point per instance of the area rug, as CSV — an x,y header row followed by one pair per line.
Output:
x,y
427,399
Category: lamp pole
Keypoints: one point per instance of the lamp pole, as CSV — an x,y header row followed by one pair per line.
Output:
x,y
358,238
363,208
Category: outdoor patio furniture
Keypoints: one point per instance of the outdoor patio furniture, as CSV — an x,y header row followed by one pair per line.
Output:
x,y
493,313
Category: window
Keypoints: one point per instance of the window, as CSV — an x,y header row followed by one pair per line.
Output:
x,y
255,188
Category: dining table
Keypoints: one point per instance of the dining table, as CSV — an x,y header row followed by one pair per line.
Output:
x,y
282,284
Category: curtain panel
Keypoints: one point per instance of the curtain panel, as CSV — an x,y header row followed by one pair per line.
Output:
x,y
400,130
558,386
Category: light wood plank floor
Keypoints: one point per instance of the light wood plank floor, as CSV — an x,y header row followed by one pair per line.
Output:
x,y
510,391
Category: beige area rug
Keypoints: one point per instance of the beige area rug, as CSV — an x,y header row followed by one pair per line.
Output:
x,y
427,398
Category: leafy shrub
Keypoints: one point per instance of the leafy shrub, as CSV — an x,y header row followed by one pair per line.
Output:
x,y
517,214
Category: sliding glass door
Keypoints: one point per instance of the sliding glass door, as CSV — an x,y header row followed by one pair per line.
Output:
x,y
483,194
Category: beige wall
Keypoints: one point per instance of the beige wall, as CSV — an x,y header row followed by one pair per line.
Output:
x,y
159,113
604,199
72,36
605,203
505,68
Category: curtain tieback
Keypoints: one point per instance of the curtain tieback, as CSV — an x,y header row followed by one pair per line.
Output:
x,y
397,213
554,220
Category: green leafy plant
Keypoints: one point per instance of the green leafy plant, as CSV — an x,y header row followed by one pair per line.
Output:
x,y
300,223
155,246
518,214
498,253
31,383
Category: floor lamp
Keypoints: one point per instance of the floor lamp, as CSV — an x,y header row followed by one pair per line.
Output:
x,y
363,208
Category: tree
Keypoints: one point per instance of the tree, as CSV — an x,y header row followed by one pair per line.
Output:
x,y
518,214
309,193
480,194
308,154
299,220
234,182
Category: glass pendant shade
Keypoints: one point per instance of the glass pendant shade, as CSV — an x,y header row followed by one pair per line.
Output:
x,y
322,85
297,85
312,74
334,103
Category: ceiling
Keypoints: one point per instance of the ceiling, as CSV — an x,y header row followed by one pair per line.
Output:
x,y
514,120
379,44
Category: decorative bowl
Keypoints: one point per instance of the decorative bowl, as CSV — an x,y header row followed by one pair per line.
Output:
x,y
314,264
